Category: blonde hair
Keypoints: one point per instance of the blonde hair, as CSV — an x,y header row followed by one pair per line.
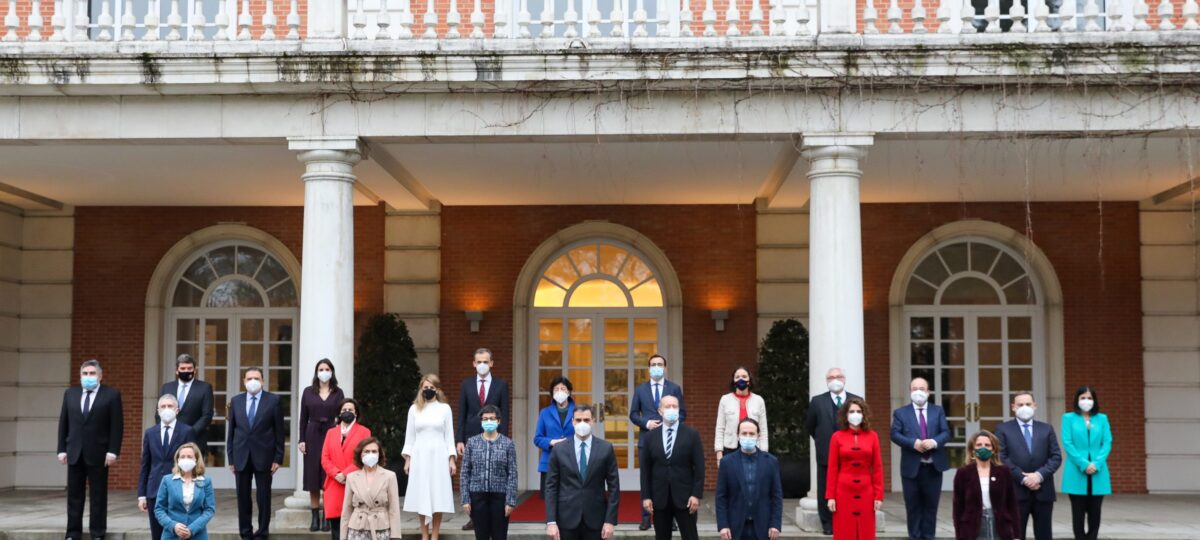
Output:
x,y
995,447
199,470
437,386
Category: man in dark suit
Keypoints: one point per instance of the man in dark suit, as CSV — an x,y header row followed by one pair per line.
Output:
x,y
921,432
476,392
749,490
90,427
821,422
159,444
1030,450
644,409
583,488
673,473
195,399
254,449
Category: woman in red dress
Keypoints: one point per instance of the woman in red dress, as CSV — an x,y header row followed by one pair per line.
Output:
x,y
854,486
337,459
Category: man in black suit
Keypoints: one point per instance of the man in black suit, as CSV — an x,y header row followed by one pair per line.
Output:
x,y
672,473
195,399
643,411
90,428
821,422
482,389
254,448
159,444
749,490
1029,448
582,486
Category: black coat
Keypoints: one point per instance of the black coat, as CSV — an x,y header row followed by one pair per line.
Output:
x,y
197,411
467,424
260,444
968,502
89,439
672,481
821,422
573,502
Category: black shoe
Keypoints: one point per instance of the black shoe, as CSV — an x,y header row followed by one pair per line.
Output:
x,y
470,526
645,526
674,526
325,525
316,521
827,532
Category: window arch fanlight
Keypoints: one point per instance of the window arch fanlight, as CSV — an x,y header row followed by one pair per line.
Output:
x,y
235,276
598,274
971,272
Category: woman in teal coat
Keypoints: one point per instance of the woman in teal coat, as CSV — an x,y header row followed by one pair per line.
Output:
x,y
1087,441
185,501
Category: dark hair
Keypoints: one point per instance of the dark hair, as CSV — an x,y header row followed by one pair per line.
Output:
x,y
1020,393
316,383
845,410
732,386
1087,389
185,359
749,420
563,381
252,368
483,350
92,363
342,403
363,444
656,355
489,409
586,410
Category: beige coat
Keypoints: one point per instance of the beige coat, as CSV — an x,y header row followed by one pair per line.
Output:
x,y
371,507
727,421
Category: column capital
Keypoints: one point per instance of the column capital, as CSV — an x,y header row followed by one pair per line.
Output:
x,y
328,148
850,145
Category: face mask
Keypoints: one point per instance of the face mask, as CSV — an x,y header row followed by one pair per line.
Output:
x,y
855,418
983,454
656,372
671,415
919,397
428,394
89,382
491,426
371,459
748,444
836,386
561,397
1025,413
324,376
187,464
583,429
167,415
741,384
1086,405
185,376
253,386
346,417
483,369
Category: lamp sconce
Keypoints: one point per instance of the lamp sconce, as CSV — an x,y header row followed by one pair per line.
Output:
x,y
720,316
474,317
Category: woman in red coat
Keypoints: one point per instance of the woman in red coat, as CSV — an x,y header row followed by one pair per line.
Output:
x,y
985,501
337,459
854,486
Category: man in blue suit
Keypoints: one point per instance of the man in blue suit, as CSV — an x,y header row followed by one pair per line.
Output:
x,y
159,444
921,432
644,409
749,491
1030,449
254,449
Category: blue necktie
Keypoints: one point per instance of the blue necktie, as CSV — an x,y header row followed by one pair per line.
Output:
x,y
1028,438
583,460
253,409
657,396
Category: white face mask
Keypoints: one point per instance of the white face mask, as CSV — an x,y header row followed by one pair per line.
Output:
x,y
253,386
167,415
583,429
371,459
1086,405
187,464
855,418
561,397
324,376
836,386
919,397
483,369
1025,413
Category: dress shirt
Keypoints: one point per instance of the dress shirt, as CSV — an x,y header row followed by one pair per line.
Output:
x,y
162,430
250,399
1023,425
667,426
836,397
184,387
925,458
487,386
579,443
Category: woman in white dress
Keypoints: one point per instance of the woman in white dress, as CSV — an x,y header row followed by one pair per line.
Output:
x,y
429,457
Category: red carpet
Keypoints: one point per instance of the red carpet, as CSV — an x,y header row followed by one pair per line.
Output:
x,y
533,510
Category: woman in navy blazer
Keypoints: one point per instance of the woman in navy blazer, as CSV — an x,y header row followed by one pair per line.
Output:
x,y
998,518
185,501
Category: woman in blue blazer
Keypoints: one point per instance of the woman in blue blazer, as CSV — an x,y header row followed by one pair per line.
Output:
x,y
185,501
1087,441
554,423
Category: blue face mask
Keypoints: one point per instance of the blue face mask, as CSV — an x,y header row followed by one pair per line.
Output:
x,y
656,372
89,382
749,444
671,415
491,426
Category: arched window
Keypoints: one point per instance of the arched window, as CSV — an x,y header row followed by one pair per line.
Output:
x,y
970,273
236,276
598,275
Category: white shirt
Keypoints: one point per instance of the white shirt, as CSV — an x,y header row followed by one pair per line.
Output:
x,y
985,484
487,386
835,397
162,430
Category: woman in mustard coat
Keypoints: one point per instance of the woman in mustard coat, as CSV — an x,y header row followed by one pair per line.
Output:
x,y
1087,442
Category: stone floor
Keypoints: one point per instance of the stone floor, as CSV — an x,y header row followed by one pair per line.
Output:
x,y
40,515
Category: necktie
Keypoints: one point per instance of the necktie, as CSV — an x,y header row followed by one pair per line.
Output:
x,y
253,409
838,401
183,391
583,460
167,437
482,394
87,404
1028,438
657,396
670,441
924,426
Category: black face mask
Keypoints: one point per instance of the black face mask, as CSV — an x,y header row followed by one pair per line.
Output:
x,y
186,376
346,417
428,393
742,384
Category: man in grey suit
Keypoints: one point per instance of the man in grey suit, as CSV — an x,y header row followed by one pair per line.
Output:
x,y
821,422
1029,448
582,486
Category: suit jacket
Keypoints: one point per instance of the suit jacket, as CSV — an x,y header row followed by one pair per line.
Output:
x,y
169,508
89,439
197,411
821,423
1045,459
260,443
968,502
468,424
734,503
157,460
573,502
643,409
371,507
906,429
671,481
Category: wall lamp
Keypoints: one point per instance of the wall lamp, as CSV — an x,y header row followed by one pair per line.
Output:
x,y
474,317
720,316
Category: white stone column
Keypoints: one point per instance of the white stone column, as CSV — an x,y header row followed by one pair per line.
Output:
x,y
835,298
326,279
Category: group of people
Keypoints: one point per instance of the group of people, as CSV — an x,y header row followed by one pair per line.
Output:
x,y
1007,477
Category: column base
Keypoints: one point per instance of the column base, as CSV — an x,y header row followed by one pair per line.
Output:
x,y
809,520
295,514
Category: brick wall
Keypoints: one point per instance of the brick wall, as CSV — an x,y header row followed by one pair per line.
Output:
x,y
117,250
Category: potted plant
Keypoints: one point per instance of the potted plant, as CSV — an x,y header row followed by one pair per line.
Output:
x,y
783,384
386,378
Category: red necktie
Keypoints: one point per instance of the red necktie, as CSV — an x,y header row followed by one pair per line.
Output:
x,y
482,396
